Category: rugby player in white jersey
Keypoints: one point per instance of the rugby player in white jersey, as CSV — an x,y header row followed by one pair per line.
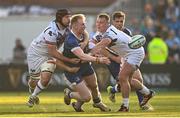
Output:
x,y
117,41
43,55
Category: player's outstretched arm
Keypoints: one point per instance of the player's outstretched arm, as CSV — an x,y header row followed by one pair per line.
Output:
x,y
101,45
52,50
60,65
110,54
85,57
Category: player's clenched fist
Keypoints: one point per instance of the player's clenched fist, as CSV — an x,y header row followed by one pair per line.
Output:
x,y
103,60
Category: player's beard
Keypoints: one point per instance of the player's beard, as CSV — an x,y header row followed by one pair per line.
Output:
x,y
64,25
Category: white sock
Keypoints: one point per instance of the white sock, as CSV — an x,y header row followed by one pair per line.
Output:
x,y
116,88
145,90
70,94
39,87
126,102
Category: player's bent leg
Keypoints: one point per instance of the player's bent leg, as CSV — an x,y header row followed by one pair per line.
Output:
x,y
91,81
135,83
145,93
137,76
81,94
47,68
125,74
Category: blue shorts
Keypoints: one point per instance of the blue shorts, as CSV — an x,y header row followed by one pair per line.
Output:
x,y
85,70
114,69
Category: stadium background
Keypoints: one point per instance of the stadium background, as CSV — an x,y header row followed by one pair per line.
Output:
x,y
25,19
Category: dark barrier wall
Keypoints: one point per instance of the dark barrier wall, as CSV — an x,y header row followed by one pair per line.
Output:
x,y
166,76
14,77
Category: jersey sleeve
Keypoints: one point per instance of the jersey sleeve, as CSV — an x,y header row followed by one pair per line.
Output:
x,y
111,34
97,37
50,35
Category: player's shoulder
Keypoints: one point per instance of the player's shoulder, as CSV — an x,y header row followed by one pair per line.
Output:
x,y
71,38
50,30
112,31
71,35
127,31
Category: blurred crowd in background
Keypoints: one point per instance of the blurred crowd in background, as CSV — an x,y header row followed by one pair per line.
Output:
x,y
159,22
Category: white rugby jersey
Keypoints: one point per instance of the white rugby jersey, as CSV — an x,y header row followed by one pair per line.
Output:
x,y
52,34
119,43
96,38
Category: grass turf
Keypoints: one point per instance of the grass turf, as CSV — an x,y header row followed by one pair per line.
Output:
x,y
166,104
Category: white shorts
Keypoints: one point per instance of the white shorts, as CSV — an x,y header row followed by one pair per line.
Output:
x,y
135,57
36,62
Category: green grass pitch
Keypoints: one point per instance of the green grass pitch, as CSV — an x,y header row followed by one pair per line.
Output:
x,y
166,104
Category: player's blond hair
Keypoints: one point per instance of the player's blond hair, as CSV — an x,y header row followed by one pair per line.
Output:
x,y
76,17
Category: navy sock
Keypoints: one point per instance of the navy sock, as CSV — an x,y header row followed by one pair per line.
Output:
x,y
113,90
140,96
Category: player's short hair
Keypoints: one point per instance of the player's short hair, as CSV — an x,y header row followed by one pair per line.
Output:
x,y
61,13
76,17
104,15
118,14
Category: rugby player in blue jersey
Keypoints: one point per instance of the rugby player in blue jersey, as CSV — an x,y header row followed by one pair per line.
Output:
x,y
84,82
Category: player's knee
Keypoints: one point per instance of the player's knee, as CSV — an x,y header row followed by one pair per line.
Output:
x,y
132,82
45,81
48,66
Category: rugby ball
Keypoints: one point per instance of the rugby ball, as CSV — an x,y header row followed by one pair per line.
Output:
x,y
137,41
